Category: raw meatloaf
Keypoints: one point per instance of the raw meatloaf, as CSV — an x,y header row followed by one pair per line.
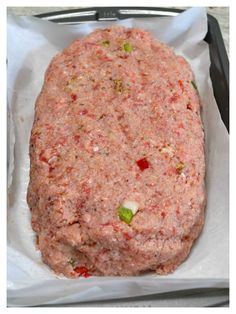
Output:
x,y
117,157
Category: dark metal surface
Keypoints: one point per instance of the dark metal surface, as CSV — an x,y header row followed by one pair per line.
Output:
x,y
219,69
105,14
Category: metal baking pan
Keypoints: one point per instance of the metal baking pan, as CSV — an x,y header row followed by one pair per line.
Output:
x,y
219,70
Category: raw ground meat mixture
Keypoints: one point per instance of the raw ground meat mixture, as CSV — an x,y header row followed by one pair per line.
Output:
x,y
117,122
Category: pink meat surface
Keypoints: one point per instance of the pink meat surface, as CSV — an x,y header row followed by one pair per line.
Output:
x,y
118,119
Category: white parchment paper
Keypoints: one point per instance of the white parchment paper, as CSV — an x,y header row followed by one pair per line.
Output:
x,y
31,45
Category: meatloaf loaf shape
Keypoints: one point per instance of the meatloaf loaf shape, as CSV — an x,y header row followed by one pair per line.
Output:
x,y
117,157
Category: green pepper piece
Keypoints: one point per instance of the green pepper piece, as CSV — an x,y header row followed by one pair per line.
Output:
x,y
127,47
72,262
125,214
106,43
179,167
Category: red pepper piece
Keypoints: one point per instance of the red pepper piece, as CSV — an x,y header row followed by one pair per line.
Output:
x,y
163,214
143,164
174,98
82,271
181,85
127,236
189,107
42,157
73,97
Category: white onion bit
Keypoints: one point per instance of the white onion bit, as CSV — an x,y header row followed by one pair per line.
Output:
x,y
132,205
95,148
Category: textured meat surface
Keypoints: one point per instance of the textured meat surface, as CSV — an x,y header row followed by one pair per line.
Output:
x,y
114,98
